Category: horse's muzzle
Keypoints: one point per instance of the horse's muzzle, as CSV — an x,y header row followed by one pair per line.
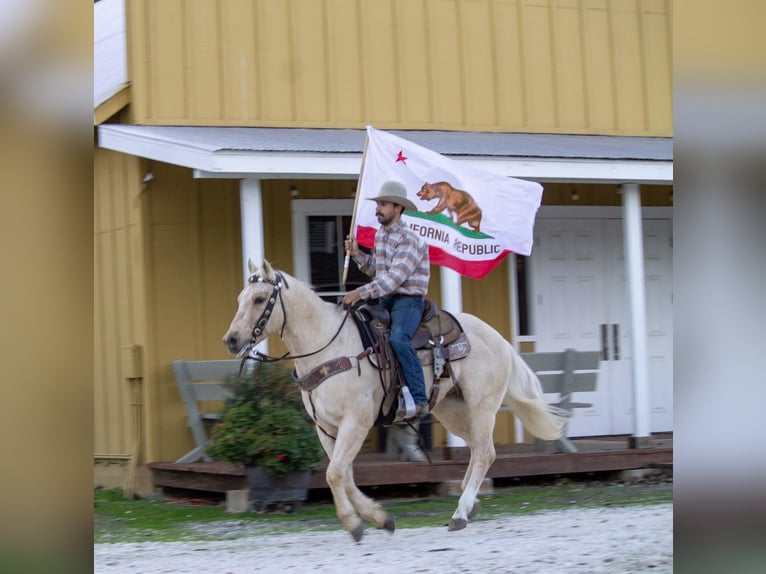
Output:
x,y
232,344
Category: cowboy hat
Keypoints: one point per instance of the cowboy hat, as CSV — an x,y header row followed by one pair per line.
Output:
x,y
394,192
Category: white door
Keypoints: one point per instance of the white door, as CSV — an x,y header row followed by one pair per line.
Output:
x,y
569,311
658,276
580,302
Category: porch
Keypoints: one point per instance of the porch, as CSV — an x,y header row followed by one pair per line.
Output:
x,y
595,454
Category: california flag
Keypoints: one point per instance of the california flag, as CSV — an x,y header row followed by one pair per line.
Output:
x,y
470,218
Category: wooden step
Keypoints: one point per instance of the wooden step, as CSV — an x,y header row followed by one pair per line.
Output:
x,y
373,469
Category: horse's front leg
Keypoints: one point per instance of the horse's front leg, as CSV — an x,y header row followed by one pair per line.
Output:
x,y
348,442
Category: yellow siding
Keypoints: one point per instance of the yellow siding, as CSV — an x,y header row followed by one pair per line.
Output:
x,y
561,66
118,294
598,75
168,269
195,273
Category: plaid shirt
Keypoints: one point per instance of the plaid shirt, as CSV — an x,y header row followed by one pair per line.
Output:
x,y
398,263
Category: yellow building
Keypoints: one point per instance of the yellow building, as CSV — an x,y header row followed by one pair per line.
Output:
x,y
235,125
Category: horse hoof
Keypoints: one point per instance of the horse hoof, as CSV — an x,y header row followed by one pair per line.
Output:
x,y
358,532
390,523
474,510
457,524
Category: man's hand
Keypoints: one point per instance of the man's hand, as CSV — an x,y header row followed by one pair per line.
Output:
x,y
351,298
352,247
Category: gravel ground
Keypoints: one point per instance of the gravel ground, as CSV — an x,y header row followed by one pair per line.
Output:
x,y
595,540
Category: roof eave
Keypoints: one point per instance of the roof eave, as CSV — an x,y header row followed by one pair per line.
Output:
x,y
210,162
111,105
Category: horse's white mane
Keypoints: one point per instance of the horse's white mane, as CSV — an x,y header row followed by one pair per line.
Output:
x,y
270,273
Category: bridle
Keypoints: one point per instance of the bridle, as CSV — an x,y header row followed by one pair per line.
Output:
x,y
260,324
276,293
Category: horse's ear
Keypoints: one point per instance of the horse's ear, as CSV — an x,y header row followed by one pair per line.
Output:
x,y
268,272
251,266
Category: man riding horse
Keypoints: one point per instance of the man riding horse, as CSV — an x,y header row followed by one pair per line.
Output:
x,y
400,269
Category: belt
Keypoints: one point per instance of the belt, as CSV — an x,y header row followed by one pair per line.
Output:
x,y
400,295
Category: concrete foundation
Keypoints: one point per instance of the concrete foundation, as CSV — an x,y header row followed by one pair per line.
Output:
x,y
237,501
452,487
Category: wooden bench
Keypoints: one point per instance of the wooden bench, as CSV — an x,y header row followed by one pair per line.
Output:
x,y
564,373
202,381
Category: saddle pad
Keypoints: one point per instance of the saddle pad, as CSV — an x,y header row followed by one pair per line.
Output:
x,y
458,349
442,329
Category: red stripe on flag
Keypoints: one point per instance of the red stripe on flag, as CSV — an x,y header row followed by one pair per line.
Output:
x,y
470,269
365,236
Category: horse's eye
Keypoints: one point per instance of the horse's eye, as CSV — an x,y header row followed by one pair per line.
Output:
x,y
259,300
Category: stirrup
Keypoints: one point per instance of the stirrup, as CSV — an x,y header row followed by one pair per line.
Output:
x,y
420,413
406,407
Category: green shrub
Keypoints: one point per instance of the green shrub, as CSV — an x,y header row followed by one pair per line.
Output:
x,y
264,424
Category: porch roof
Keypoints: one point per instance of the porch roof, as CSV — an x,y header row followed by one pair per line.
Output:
x,y
237,152
110,70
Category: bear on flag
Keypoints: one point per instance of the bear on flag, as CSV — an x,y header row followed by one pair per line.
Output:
x,y
470,219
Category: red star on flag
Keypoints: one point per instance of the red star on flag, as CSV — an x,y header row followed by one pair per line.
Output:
x,y
400,158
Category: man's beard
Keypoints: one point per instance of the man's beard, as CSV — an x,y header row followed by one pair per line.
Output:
x,y
383,220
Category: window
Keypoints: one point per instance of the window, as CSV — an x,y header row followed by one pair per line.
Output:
x,y
522,300
319,228
327,255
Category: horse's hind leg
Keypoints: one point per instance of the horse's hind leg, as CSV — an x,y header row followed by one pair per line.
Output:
x,y
367,507
477,433
482,457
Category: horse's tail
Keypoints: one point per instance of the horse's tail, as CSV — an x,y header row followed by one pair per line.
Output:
x,y
524,396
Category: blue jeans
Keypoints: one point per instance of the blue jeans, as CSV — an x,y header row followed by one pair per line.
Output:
x,y
406,312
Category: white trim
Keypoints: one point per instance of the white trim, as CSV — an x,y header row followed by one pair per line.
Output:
x,y
251,209
301,209
599,212
452,301
451,290
110,62
150,148
633,246
577,170
515,337
208,161
202,174
513,293
251,216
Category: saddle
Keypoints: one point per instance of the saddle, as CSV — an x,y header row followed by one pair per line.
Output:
x,y
438,340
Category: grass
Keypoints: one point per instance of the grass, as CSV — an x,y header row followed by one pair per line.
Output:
x,y
119,520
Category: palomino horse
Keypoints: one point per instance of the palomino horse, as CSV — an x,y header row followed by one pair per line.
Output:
x,y
345,405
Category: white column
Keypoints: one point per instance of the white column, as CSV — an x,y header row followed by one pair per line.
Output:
x,y
514,295
251,215
634,272
452,301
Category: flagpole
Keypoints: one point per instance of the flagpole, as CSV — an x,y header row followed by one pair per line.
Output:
x,y
356,201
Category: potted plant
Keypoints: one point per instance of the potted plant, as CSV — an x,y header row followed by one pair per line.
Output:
x,y
264,426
